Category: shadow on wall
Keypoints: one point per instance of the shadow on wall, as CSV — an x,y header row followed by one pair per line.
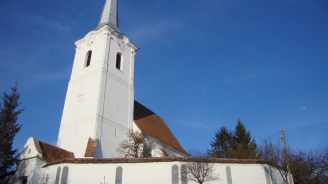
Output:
x,y
270,176
184,174
99,152
29,173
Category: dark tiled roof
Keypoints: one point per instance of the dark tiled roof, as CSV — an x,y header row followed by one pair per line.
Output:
x,y
90,151
160,159
52,153
153,125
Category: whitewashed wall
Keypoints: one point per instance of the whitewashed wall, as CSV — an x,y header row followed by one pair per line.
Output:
x,y
100,97
157,173
31,168
157,146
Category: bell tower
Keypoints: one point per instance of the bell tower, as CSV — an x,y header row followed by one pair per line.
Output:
x,y
100,95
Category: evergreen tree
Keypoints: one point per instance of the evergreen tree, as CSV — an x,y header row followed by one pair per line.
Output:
x,y
8,128
236,144
243,145
221,143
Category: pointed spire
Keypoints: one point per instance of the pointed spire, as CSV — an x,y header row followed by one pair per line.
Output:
x,y
110,15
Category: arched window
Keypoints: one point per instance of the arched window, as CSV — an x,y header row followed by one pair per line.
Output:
x,y
175,174
64,177
119,61
57,175
119,174
229,177
184,174
88,58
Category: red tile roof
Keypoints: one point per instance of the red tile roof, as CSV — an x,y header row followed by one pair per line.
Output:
x,y
160,159
52,153
91,148
153,125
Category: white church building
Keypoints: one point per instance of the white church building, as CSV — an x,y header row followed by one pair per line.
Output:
x,y
100,111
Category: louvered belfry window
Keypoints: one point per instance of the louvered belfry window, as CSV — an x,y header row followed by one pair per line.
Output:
x,y
119,61
88,58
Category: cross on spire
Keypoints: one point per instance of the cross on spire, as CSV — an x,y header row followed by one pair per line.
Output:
x,y
110,15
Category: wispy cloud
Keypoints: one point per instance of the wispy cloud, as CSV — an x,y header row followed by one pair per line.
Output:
x,y
303,108
48,23
195,124
198,124
37,21
49,76
241,78
302,124
249,72
154,29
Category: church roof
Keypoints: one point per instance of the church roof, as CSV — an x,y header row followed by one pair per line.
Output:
x,y
159,160
52,153
90,151
153,125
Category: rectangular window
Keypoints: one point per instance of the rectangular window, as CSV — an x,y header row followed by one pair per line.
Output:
x,y
64,178
58,175
88,58
119,61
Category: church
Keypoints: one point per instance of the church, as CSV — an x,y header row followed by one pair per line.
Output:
x,y
99,113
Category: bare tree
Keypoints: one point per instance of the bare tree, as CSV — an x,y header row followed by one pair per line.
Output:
x,y
136,146
274,154
306,167
164,152
200,171
132,147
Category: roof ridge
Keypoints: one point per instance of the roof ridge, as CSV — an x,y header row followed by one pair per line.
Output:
x,y
160,159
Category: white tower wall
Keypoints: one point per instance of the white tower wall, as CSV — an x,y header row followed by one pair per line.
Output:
x,y
99,100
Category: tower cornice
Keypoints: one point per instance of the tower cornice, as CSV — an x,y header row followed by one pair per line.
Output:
x,y
108,30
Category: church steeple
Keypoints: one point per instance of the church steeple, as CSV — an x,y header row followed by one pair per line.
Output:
x,y
110,15
100,95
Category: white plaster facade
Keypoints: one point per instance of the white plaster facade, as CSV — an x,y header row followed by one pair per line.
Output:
x,y
33,166
100,97
160,173
151,173
30,164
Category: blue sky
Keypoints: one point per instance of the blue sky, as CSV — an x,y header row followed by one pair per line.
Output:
x,y
202,64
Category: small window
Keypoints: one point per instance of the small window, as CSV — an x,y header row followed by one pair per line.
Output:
x,y
118,175
88,58
58,175
175,174
64,178
228,173
119,61
184,174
